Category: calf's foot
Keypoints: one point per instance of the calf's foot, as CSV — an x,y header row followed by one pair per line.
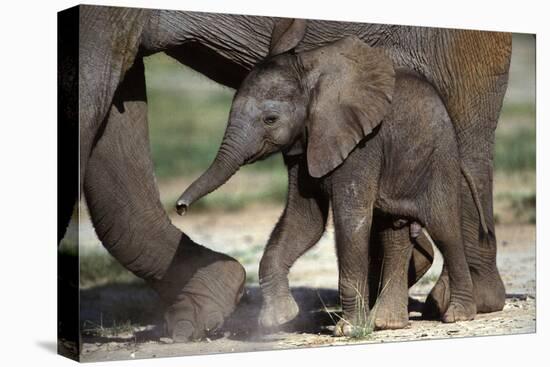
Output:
x,y
344,327
391,309
438,300
201,289
277,311
354,323
390,317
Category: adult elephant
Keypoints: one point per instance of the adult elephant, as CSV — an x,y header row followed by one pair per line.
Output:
x,y
469,70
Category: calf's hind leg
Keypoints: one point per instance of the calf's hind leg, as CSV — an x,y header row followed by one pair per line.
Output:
x,y
448,238
391,308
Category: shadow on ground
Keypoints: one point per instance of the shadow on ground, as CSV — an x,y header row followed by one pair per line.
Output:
x,y
132,312
112,313
314,317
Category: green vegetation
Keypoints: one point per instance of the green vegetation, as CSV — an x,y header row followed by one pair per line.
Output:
x,y
428,279
363,326
516,110
188,114
97,269
515,142
90,328
515,150
515,164
521,204
271,189
524,206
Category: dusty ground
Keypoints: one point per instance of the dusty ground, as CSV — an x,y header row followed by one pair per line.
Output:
x,y
313,278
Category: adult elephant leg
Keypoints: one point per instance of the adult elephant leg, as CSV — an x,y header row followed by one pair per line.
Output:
x,y
473,97
488,289
199,287
299,228
489,292
481,247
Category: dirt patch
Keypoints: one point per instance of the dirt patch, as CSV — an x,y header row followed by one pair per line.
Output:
x,y
311,329
124,320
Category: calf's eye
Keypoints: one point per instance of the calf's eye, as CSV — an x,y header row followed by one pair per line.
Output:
x,y
271,119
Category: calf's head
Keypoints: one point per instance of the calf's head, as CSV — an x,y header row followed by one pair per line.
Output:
x,y
321,103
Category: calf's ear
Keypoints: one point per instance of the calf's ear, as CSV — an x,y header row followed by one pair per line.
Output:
x,y
286,35
352,92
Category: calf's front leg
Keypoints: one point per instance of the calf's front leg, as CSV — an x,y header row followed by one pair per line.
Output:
x,y
299,228
352,224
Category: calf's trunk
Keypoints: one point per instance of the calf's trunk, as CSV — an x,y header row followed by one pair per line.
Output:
x,y
227,162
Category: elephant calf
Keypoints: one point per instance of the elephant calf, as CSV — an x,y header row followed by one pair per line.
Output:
x,y
376,143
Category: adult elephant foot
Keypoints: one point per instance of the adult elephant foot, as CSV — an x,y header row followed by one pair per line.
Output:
x,y
278,311
438,304
201,289
481,251
489,292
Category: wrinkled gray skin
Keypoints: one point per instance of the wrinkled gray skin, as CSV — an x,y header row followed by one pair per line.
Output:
x,y
120,186
365,139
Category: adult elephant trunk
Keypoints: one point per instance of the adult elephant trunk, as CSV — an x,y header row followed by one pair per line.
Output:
x,y
231,156
199,287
